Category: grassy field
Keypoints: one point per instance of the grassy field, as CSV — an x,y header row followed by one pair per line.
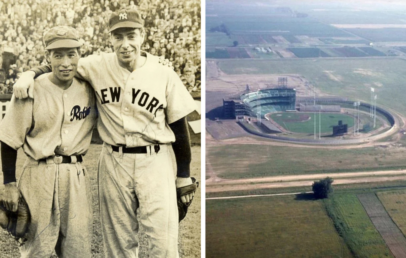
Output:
x,y
395,204
271,227
218,39
189,241
354,225
351,77
246,161
308,52
293,121
380,35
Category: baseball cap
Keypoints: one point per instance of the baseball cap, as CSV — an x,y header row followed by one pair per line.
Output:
x,y
125,18
61,37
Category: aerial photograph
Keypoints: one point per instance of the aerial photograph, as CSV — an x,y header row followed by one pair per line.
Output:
x,y
305,128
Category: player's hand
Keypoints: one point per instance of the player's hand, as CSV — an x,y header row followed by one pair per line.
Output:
x,y
24,87
11,196
180,182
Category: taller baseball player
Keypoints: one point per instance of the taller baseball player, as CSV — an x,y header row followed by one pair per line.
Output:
x,y
54,129
146,151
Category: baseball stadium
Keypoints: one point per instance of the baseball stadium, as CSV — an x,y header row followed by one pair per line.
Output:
x,y
278,113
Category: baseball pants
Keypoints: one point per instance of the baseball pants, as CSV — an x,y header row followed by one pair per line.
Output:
x,y
144,184
59,200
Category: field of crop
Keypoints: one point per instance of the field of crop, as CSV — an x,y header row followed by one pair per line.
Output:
x,y
354,225
371,51
344,41
304,122
395,204
277,25
352,78
347,15
308,52
350,52
237,52
393,237
292,39
274,227
217,53
269,39
380,35
250,161
218,39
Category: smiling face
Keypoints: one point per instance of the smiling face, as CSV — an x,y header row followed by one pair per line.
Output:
x,y
64,62
127,44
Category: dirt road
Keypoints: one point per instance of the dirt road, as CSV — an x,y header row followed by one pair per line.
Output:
x,y
302,180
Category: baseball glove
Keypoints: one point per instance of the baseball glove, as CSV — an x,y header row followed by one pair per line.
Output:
x,y
183,207
15,222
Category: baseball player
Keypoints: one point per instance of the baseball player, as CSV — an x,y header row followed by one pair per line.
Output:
x,y
146,152
54,129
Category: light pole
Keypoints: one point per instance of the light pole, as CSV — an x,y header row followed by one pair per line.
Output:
x,y
314,107
371,109
375,97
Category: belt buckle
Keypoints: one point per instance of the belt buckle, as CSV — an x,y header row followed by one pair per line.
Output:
x,y
58,159
73,159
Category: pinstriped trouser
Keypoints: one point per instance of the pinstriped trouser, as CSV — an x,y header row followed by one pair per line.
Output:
x,y
144,183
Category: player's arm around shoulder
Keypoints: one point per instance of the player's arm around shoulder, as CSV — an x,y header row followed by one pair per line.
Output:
x,y
91,66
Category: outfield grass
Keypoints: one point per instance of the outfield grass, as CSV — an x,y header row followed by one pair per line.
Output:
x,y
291,121
271,227
395,204
354,225
353,78
249,161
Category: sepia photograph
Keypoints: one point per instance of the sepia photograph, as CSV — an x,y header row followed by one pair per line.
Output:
x,y
100,128
305,128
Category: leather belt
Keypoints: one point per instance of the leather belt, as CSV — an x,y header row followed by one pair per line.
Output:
x,y
141,149
58,159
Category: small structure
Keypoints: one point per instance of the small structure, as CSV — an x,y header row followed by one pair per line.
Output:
x,y
340,129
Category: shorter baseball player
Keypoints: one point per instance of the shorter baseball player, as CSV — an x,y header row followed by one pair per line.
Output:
x,y
54,129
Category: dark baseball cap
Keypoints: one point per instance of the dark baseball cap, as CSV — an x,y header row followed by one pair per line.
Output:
x,y
61,37
125,18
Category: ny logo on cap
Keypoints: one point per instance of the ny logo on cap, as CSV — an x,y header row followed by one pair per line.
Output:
x,y
122,16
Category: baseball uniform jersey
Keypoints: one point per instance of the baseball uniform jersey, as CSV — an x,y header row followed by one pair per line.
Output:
x,y
55,122
136,108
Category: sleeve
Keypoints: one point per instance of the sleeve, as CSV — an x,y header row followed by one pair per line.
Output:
x,y
17,122
87,67
8,162
41,70
180,102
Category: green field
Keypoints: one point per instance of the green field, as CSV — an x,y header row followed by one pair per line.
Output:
x,y
271,227
250,161
218,39
352,77
354,225
395,204
381,35
308,52
298,122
